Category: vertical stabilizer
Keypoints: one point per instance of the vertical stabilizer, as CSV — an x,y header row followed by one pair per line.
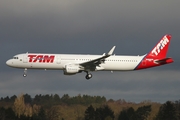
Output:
x,y
160,50
157,55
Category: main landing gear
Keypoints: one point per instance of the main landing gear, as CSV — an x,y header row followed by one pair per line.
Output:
x,y
88,76
25,72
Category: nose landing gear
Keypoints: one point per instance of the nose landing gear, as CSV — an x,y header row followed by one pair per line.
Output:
x,y
25,72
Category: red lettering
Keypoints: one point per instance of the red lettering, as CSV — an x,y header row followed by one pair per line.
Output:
x,y
31,57
41,58
48,59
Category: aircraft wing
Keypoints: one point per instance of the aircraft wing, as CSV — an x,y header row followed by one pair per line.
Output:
x,y
91,65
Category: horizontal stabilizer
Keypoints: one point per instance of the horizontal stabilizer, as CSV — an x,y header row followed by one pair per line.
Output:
x,y
164,61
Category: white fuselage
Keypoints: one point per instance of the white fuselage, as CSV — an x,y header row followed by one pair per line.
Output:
x,y
112,63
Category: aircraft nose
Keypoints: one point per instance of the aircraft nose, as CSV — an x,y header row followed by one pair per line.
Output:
x,y
9,62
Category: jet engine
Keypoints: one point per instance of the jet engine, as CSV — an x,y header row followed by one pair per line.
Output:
x,y
71,69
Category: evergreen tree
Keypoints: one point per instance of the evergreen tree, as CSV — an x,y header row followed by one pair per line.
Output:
x,y
6,99
65,98
12,99
41,114
2,113
177,107
56,99
140,114
7,114
10,114
108,113
167,112
127,114
101,113
90,113
27,99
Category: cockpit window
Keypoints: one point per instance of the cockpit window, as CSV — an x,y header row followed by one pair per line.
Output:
x,y
15,57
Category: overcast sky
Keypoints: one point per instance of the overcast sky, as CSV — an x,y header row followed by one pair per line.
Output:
x,y
90,27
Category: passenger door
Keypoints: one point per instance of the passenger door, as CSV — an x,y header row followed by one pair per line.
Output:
x,y
25,58
58,59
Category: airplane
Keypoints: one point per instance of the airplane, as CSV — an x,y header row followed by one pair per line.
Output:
x,y
75,63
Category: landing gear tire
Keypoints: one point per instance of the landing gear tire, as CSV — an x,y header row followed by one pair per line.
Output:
x,y
24,75
88,76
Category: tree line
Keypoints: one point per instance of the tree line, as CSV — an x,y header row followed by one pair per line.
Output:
x,y
85,107
56,100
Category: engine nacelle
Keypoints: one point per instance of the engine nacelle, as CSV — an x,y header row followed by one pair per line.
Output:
x,y
71,69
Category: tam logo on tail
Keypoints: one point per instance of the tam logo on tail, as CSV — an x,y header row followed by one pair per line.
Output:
x,y
160,50
160,46
157,56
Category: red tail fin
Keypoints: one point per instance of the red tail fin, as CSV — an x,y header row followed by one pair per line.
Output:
x,y
160,50
157,56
